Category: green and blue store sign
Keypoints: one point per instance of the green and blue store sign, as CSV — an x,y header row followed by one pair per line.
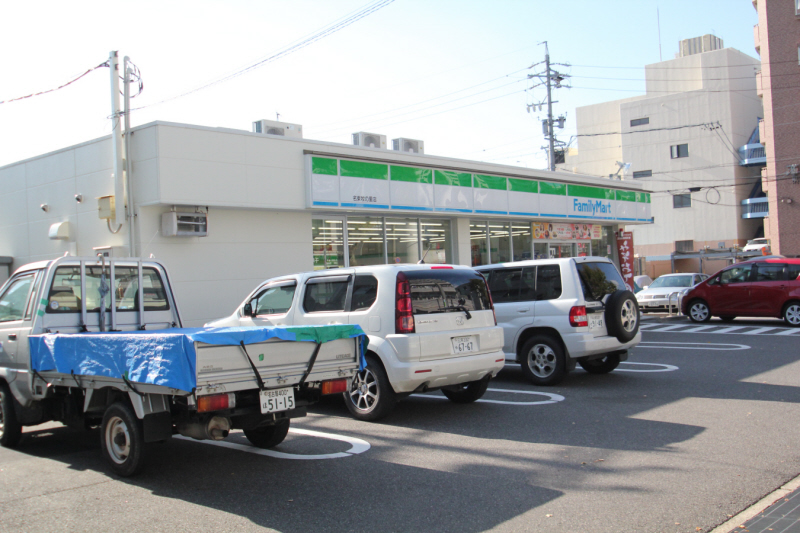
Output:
x,y
348,184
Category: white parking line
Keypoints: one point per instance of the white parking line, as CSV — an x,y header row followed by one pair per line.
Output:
x,y
698,328
664,368
693,346
669,328
788,332
728,330
758,331
553,398
357,446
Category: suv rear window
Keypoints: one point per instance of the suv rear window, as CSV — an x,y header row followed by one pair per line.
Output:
x,y
444,291
599,279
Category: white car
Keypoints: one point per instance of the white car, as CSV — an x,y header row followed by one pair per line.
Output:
x,y
559,312
430,327
666,288
643,280
755,245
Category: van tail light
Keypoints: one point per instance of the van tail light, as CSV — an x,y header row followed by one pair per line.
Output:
x,y
403,314
577,317
334,386
216,402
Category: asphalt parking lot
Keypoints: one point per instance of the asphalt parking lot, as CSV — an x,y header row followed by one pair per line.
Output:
x,y
694,428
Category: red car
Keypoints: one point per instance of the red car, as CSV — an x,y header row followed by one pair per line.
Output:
x,y
757,288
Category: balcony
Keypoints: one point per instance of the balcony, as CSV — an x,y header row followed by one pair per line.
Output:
x,y
755,207
751,155
757,39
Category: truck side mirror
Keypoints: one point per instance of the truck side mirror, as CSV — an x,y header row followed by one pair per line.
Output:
x,y
248,309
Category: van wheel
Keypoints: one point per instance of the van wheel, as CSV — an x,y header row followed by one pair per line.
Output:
x,y
268,436
699,311
10,428
604,365
371,396
467,392
122,439
543,360
622,315
792,314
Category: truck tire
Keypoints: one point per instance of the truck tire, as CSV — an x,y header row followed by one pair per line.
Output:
x,y
543,360
268,436
603,365
467,392
622,315
10,428
371,396
122,439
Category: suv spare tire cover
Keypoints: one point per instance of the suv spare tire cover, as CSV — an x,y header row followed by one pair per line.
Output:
x,y
613,315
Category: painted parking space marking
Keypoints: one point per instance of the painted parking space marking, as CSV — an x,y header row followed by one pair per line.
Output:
x,y
661,367
357,446
788,332
698,328
726,330
693,346
759,331
670,328
729,329
551,398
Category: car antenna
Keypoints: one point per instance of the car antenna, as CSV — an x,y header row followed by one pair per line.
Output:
x,y
422,261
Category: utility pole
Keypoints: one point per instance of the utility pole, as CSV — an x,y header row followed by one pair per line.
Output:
x,y
551,79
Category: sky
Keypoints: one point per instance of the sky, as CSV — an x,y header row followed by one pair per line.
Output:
x,y
453,73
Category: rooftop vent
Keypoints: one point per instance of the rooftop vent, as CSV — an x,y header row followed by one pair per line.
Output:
x,y
698,45
408,145
369,140
273,127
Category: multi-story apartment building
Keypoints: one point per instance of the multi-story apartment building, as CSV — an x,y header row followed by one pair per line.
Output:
x,y
777,40
681,141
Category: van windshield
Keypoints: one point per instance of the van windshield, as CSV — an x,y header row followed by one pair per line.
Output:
x,y
447,291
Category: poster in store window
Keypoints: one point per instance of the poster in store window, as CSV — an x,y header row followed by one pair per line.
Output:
x,y
563,231
625,250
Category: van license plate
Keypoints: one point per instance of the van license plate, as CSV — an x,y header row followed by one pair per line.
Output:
x,y
275,400
465,344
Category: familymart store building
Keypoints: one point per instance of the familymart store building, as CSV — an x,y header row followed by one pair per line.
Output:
x,y
368,211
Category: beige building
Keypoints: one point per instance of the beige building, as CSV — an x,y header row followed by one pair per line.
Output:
x,y
681,140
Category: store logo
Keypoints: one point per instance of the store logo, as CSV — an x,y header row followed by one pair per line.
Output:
x,y
459,321
598,207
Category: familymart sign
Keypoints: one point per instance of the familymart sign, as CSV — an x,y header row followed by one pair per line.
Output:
x,y
334,183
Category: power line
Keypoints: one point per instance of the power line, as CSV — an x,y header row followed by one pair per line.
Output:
x,y
104,64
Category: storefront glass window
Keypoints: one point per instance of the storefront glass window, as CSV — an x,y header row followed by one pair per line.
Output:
x,y
584,249
499,242
477,239
602,247
521,240
402,243
365,241
540,250
436,241
328,243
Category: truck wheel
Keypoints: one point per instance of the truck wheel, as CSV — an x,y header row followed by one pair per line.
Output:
x,y
10,428
122,439
268,436
371,396
467,392
543,360
604,365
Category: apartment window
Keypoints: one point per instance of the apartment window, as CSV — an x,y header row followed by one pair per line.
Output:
x,y
797,7
684,246
679,150
681,200
645,120
643,174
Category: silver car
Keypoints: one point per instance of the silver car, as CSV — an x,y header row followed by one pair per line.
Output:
x,y
666,289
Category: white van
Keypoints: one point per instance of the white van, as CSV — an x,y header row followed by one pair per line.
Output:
x,y
430,327
559,312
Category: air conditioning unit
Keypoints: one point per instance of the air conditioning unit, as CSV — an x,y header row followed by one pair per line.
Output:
x,y
408,145
369,140
273,127
174,224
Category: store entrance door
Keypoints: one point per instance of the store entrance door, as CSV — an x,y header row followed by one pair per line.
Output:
x,y
558,250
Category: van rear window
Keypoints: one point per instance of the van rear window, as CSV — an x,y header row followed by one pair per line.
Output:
x,y
447,291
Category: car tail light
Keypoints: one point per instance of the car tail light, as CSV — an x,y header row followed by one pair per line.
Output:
x,y
403,315
334,386
216,402
577,317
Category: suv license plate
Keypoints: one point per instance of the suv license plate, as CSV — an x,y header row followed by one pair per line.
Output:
x,y
595,320
275,400
465,344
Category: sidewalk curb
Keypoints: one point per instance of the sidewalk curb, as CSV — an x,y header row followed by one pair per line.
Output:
x,y
758,507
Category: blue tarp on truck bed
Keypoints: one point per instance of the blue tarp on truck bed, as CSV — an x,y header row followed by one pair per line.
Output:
x,y
164,357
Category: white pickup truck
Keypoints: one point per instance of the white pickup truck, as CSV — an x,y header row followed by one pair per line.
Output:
x,y
90,342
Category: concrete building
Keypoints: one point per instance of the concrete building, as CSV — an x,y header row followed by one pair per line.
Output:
x,y
225,209
681,140
777,40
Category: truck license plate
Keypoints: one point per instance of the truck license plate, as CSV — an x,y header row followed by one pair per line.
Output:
x,y
465,344
276,400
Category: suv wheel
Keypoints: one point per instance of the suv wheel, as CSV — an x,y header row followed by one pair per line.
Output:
x,y
792,314
603,365
543,360
467,392
622,315
699,311
371,396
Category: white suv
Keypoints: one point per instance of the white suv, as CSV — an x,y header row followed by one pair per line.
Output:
x,y
556,312
430,327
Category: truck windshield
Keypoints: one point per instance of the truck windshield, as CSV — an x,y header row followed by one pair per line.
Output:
x,y
447,291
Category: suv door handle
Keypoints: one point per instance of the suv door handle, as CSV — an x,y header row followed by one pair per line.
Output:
x,y
12,336
523,310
